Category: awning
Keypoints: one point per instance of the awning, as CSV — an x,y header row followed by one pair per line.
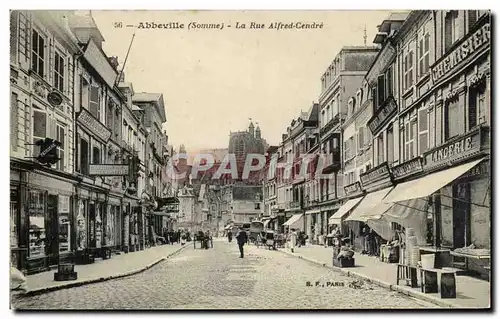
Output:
x,y
313,211
371,206
336,218
429,184
294,221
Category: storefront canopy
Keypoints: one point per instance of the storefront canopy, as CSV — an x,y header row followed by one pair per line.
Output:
x,y
336,218
294,221
371,206
429,184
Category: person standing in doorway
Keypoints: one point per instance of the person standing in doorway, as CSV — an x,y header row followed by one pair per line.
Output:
x,y
241,239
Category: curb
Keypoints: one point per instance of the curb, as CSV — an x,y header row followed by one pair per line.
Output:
x,y
43,290
400,289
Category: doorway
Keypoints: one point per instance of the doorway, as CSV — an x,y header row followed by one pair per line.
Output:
x,y
52,229
461,215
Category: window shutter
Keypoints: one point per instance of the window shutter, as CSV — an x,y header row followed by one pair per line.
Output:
x,y
24,40
361,140
381,89
51,57
14,119
14,21
422,120
472,17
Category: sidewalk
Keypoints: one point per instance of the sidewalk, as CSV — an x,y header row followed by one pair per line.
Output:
x,y
118,266
471,292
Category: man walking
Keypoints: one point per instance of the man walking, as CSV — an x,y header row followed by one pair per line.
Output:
x,y
241,239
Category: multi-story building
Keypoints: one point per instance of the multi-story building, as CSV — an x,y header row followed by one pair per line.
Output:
x,y
444,120
340,82
43,52
187,201
246,203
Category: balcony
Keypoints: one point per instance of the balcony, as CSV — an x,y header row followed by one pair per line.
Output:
x,y
330,125
331,162
383,114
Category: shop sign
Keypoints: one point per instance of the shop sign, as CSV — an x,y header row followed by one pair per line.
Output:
x,y
353,188
47,182
473,43
375,174
454,150
108,170
387,109
482,169
94,125
407,168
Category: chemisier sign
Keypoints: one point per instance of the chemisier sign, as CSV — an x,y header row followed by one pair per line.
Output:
x,y
473,43
92,124
453,151
407,168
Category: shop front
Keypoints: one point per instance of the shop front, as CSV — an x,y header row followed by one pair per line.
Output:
x,y
91,213
456,183
41,229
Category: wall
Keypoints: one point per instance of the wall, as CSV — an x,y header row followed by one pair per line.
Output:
x,y
244,210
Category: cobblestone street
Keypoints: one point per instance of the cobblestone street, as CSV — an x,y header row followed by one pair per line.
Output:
x,y
218,279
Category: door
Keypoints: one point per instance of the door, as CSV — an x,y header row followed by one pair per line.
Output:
x,y
52,227
461,215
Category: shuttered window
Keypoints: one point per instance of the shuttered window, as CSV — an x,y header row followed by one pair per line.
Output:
x,y
390,145
94,102
408,70
14,21
454,119
380,90
423,131
423,56
38,53
14,121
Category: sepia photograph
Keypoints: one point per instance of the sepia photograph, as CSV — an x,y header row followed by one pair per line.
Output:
x,y
250,159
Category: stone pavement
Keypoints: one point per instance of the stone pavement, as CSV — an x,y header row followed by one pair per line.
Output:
x,y
118,266
217,279
471,292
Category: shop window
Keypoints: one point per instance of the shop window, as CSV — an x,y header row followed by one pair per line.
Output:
x,y
477,105
423,131
14,119
408,70
39,128
14,215
451,29
64,224
61,137
94,106
390,145
38,53
37,234
59,71
454,122
423,57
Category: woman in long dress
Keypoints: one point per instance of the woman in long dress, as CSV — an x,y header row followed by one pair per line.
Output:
x,y
293,240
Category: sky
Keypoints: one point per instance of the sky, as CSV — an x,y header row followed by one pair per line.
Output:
x,y
213,81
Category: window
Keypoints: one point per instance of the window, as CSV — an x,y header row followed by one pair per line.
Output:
x,y
472,16
477,105
59,72
14,118
94,102
110,115
408,70
423,56
451,29
453,124
96,155
380,90
390,145
38,53
410,132
361,141
84,156
257,206
389,83
61,137
423,131
380,143
39,128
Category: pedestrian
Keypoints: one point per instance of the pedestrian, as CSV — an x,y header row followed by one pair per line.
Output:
x,y
366,245
293,240
178,236
241,239
183,237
